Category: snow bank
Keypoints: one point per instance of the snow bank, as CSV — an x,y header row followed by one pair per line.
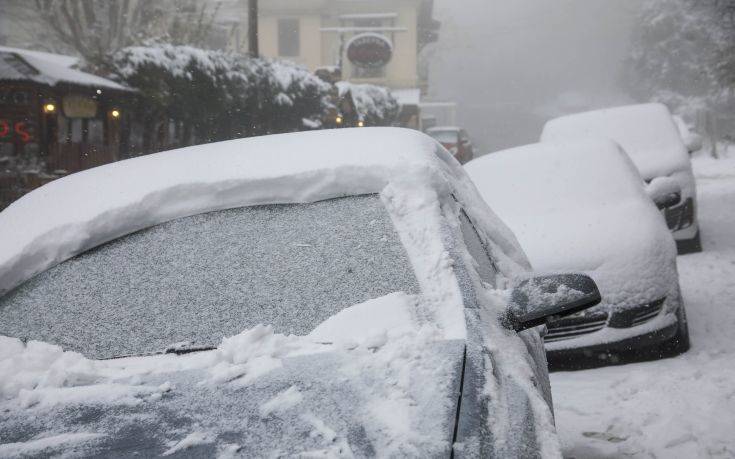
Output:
x,y
646,132
596,215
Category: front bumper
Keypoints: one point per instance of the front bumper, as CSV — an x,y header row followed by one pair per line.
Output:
x,y
615,332
602,354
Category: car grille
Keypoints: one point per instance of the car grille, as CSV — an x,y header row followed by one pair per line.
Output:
x,y
578,325
638,315
681,216
573,326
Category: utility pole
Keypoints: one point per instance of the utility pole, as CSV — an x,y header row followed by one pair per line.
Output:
x,y
253,28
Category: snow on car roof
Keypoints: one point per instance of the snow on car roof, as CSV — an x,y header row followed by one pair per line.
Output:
x,y
579,206
86,209
646,132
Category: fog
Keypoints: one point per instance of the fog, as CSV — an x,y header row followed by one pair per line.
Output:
x,y
512,64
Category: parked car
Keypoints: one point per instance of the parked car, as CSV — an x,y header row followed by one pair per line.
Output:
x,y
581,206
371,304
650,137
454,139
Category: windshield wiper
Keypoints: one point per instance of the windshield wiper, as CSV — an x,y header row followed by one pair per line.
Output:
x,y
187,348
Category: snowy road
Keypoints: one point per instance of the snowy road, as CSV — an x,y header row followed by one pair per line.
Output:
x,y
675,408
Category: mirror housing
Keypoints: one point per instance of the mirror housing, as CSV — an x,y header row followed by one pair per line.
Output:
x,y
538,300
664,191
669,200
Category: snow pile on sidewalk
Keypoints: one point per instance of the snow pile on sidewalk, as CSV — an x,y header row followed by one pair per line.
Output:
x,y
682,407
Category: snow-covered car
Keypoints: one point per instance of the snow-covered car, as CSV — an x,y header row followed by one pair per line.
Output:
x,y
331,293
649,135
582,206
456,140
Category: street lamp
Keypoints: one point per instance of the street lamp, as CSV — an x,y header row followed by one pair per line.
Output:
x,y
49,108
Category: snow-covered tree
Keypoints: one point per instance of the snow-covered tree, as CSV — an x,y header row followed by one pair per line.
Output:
x,y
96,29
217,95
375,105
683,55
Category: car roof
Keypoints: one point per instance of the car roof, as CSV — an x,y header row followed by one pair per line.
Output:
x,y
646,131
89,208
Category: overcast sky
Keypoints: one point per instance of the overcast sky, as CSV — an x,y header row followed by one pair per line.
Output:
x,y
510,64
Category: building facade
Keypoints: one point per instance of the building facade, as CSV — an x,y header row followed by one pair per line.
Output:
x,y
371,41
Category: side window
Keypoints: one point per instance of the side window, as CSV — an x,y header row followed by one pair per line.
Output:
x,y
485,267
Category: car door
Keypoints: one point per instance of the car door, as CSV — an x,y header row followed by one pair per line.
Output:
x,y
490,397
488,272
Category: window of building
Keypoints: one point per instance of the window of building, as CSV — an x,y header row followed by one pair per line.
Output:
x,y
289,39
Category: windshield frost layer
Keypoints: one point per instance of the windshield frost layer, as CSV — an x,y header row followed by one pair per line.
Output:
x,y
201,278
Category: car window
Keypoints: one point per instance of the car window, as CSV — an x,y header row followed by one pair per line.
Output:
x,y
200,278
444,136
485,266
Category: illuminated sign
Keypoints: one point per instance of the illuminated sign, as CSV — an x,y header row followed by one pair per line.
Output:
x,y
20,130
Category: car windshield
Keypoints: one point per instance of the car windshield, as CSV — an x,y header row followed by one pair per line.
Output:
x,y
198,279
445,136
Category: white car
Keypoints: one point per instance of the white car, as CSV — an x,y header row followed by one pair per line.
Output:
x,y
581,206
371,304
650,136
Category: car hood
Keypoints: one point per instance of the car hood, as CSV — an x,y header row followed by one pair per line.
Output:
x,y
625,247
392,398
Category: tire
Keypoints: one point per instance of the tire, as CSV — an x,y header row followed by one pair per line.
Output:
x,y
693,245
679,343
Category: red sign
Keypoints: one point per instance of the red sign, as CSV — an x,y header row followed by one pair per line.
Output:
x,y
20,130
369,50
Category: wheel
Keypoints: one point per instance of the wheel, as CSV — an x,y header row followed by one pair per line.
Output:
x,y
679,343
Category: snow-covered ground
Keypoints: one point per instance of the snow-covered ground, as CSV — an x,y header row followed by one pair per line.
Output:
x,y
674,408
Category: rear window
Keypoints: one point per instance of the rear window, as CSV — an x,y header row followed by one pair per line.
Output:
x,y
445,136
201,278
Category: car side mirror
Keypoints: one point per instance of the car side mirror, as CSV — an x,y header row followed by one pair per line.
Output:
x,y
664,191
538,300
669,200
